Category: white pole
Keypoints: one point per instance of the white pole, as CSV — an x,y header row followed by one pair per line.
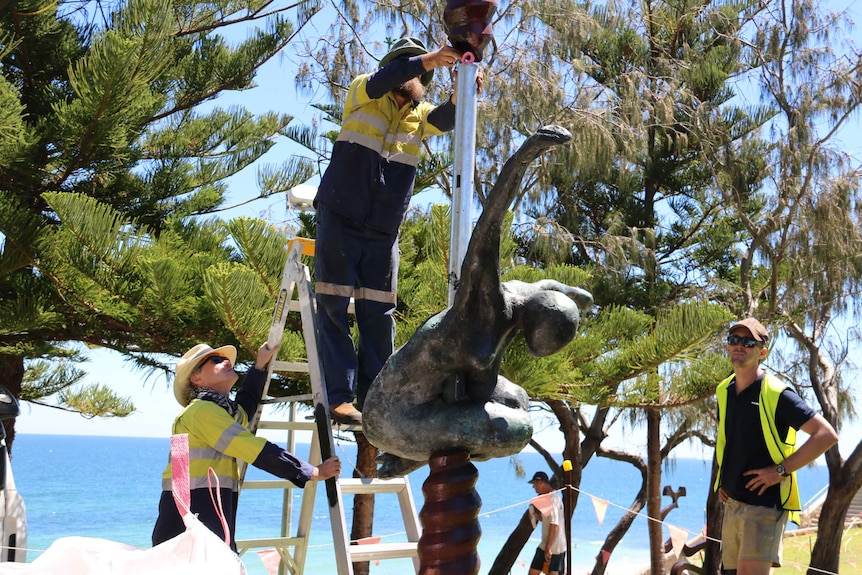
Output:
x,y
464,162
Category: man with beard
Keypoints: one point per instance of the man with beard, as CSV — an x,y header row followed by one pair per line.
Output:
x,y
361,202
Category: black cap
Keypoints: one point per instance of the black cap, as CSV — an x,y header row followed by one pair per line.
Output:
x,y
540,476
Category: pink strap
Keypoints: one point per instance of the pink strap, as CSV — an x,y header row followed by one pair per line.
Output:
x,y
180,472
218,507
180,482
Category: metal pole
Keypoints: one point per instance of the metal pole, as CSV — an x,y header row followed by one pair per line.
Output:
x,y
464,163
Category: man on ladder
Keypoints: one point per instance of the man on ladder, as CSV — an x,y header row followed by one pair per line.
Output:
x,y
361,202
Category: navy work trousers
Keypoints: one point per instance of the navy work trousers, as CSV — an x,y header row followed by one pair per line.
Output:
x,y
352,261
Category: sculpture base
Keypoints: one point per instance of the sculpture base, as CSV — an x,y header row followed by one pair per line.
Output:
x,y
450,516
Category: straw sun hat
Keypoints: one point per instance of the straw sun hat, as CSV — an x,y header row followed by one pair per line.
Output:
x,y
188,362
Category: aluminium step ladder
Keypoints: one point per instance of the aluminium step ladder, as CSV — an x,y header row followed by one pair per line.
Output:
x,y
293,549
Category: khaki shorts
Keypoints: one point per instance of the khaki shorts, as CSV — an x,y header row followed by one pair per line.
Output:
x,y
751,533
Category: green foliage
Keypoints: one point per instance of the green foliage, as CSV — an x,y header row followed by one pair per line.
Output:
x,y
96,401
630,358
111,150
44,378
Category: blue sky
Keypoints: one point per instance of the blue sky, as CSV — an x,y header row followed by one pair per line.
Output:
x,y
152,395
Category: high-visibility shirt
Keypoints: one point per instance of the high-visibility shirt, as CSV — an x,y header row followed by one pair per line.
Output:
x,y
217,440
372,170
779,448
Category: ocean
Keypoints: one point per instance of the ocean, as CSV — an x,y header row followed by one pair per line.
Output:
x,y
108,487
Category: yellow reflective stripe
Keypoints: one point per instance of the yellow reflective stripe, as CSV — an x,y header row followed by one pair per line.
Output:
x,y
201,459
363,140
245,445
375,295
356,293
363,117
224,482
412,139
228,436
333,289
205,452
404,158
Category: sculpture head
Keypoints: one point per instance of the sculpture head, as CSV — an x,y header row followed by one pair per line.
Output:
x,y
550,321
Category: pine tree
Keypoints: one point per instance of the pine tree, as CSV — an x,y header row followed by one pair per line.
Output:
x,y
797,194
112,154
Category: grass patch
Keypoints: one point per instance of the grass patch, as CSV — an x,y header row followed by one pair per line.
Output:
x,y
797,553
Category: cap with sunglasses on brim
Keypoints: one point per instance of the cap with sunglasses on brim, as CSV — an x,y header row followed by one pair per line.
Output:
x,y
758,332
190,360
540,476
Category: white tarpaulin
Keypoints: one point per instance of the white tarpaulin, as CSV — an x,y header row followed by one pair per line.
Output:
x,y
13,518
197,551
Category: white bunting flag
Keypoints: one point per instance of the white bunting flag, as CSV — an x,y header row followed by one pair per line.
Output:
x,y
600,505
678,537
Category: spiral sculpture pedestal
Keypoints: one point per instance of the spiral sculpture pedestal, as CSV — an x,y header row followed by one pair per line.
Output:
x,y
450,516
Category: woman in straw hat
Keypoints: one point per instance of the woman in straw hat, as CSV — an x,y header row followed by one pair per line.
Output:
x,y
217,427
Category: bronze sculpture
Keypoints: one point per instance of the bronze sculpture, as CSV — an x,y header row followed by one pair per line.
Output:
x,y
442,390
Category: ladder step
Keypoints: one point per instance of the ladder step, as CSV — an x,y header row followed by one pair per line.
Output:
x,y
295,305
287,399
290,366
269,542
382,551
369,485
294,550
288,425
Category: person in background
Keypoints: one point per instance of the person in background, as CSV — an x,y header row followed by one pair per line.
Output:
x,y
552,549
757,456
218,432
361,201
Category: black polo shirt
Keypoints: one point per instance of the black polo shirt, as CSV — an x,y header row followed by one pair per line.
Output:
x,y
746,449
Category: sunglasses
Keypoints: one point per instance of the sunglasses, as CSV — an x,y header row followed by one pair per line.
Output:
x,y
217,359
746,341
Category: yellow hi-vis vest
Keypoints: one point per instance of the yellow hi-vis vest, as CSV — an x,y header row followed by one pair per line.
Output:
x,y
779,449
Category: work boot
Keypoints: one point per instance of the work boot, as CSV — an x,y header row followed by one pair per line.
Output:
x,y
345,413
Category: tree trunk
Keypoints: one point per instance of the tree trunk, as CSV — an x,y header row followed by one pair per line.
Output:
x,y
363,504
572,478
12,373
844,482
620,529
656,540
572,451
512,547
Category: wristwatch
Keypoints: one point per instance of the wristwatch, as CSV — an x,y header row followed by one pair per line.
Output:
x,y
781,471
